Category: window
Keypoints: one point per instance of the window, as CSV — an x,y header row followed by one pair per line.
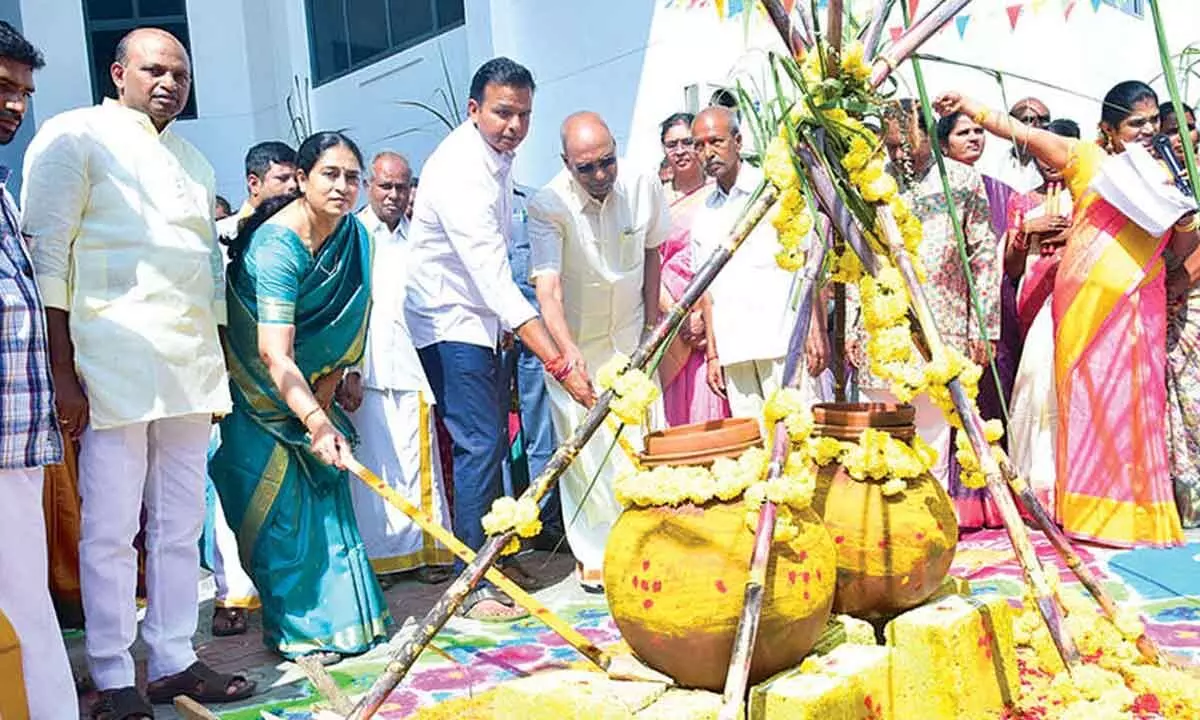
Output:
x,y
1136,8
107,21
345,35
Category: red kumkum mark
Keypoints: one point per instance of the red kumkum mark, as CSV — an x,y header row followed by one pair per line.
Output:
x,y
920,536
645,586
839,539
645,565
805,594
791,577
721,587
803,556
656,586
647,603
882,544
818,574
805,577
635,582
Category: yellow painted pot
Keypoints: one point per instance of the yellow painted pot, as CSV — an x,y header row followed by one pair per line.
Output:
x,y
675,578
893,552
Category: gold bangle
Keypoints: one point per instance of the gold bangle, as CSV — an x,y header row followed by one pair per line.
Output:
x,y
310,413
1191,225
981,117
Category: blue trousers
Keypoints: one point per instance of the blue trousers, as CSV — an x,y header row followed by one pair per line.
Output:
x,y
537,430
466,383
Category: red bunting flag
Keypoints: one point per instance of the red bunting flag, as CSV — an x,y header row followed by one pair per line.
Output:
x,y
1014,14
788,5
1067,10
896,33
912,8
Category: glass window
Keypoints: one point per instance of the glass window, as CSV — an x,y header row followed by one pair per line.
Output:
x,y
349,34
109,20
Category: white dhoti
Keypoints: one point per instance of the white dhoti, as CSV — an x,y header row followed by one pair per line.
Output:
x,y
159,464
25,598
1033,422
235,589
749,384
398,443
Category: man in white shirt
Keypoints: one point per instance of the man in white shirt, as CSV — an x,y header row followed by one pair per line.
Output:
x,y
270,172
1017,168
393,420
119,212
461,297
752,312
39,686
594,235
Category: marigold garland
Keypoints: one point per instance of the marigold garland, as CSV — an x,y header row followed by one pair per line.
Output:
x,y
971,473
634,390
519,515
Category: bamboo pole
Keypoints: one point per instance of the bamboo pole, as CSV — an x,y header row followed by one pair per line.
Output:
x,y
402,659
1018,535
573,637
798,40
883,8
752,600
833,32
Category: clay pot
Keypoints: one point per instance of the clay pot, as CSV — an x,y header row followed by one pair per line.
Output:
x,y
700,443
893,552
675,578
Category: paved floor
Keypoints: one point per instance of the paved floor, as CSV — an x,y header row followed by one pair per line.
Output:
x,y
246,654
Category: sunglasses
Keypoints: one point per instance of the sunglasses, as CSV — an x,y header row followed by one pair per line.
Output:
x,y
604,163
1036,120
686,142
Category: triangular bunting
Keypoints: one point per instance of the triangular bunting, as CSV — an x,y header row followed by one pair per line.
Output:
x,y
720,4
961,21
1037,6
1096,5
736,7
1067,10
896,33
912,8
1014,14
822,4
788,5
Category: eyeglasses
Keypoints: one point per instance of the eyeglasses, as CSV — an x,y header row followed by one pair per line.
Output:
x,y
686,142
1035,120
604,163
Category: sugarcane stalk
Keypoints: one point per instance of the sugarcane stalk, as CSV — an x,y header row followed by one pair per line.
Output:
x,y
833,31
883,8
1164,54
1018,535
887,61
798,40
738,675
402,659
1147,648
573,637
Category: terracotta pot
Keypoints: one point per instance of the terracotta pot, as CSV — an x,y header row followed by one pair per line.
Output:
x,y
701,443
675,578
893,552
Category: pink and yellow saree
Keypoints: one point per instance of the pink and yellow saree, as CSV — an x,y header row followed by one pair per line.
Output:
x,y
1109,306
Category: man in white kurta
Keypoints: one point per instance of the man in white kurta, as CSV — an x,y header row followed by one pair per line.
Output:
x,y
394,420
119,213
752,308
594,235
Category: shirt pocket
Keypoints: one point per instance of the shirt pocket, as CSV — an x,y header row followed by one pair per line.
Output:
x,y
631,249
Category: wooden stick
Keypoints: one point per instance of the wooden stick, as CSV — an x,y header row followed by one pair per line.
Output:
x,y
833,33
797,40
573,637
402,659
883,8
738,675
1018,535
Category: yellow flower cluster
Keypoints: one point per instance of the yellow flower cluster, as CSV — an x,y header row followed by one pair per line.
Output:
x,y
893,357
946,365
792,491
634,390
971,473
847,268
854,64
1114,680
877,456
666,485
788,405
794,220
520,515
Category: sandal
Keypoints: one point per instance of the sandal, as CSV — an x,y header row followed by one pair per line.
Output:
x,y
433,575
122,704
324,657
521,577
202,684
228,621
489,594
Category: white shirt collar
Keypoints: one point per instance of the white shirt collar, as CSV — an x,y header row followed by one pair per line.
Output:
x,y
137,116
498,163
374,225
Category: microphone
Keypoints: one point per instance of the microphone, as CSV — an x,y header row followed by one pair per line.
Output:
x,y
1162,147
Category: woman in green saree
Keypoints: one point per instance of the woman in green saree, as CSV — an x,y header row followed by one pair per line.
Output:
x,y
299,294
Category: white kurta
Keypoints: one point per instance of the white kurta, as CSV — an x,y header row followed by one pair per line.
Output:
x,y
394,422
598,250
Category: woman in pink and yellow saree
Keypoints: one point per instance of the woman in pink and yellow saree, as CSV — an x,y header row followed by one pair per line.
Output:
x,y
1109,308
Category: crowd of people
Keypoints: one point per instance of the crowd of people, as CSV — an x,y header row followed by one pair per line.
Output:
x,y
174,345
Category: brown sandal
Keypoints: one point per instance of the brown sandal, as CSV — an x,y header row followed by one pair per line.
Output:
x,y
228,621
121,704
202,684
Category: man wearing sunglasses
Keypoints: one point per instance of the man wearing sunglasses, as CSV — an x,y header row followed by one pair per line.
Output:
x,y
594,233
1018,169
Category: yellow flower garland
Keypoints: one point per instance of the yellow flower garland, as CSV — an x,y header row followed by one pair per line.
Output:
x,y
634,390
971,473
520,515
